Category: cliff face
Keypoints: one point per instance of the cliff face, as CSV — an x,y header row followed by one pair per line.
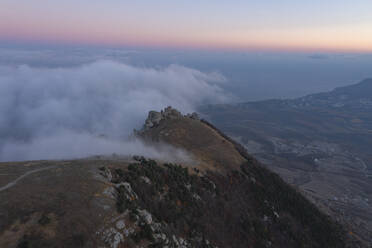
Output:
x,y
225,199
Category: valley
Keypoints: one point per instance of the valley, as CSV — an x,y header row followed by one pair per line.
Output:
x,y
320,143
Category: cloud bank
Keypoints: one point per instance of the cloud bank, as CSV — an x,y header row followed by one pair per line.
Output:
x,y
54,113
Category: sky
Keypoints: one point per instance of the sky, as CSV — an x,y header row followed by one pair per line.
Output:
x,y
77,76
286,25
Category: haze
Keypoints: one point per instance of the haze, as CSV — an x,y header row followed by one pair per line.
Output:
x,y
81,69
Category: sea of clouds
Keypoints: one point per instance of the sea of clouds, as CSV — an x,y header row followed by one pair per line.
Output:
x,y
92,109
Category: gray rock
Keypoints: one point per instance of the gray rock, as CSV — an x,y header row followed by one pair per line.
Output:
x,y
194,116
171,113
130,194
107,173
146,179
153,119
112,237
120,224
146,216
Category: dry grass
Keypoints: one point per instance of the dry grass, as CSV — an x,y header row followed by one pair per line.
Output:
x,y
212,151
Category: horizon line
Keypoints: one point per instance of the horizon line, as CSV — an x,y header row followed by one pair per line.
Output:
x,y
12,42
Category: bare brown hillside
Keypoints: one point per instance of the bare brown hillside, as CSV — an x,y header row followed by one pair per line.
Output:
x,y
225,199
208,147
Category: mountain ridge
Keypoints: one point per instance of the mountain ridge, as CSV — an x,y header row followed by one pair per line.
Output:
x,y
121,202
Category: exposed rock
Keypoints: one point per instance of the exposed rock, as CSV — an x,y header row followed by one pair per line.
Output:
x,y
196,197
128,231
112,237
194,116
120,224
171,113
146,179
146,216
154,117
106,173
276,214
130,194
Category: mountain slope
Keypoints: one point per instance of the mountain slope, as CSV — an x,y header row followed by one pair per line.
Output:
x,y
224,198
320,143
212,150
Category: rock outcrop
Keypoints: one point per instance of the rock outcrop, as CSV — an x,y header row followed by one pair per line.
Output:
x,y
154,117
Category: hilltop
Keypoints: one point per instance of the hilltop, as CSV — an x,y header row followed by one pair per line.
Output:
x,y
224,198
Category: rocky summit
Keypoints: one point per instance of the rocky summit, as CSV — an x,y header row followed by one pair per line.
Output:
x,y
154,117
225,198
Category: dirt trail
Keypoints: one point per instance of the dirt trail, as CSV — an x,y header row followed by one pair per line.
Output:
x,y
11,184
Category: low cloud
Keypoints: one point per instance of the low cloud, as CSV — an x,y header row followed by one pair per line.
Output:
x,y
54,113
69,144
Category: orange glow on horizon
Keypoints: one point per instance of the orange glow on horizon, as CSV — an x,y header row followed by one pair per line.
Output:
x,y
349,39
339,26
203,44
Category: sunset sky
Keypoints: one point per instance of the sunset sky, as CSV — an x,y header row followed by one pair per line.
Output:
x,y
289,25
